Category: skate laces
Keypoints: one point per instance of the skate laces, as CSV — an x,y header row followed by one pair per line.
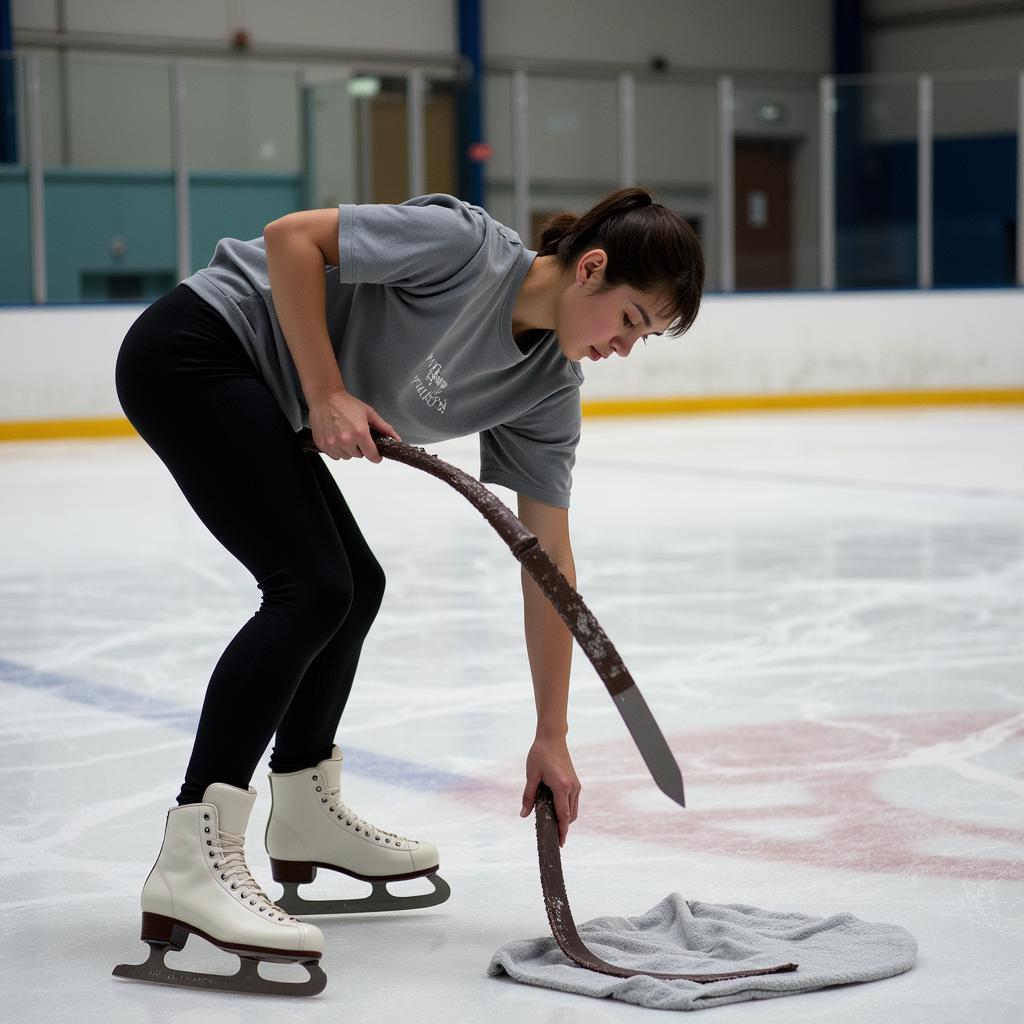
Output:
x,y
232,867
351,818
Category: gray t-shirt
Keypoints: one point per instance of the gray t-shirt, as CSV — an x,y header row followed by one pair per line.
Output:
x,y
420,316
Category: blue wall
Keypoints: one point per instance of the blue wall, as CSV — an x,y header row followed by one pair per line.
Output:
x,y
974,210
87,209
975,194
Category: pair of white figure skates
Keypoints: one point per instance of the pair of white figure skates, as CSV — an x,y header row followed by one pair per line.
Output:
x,y
202,885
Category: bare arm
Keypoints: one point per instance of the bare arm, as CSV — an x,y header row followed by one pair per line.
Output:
x,y
548,640
299,246
549,648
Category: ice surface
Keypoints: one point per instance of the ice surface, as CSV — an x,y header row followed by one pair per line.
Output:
x,y
824,612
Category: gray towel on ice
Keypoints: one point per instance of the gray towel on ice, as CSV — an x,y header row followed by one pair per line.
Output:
x,y
685,936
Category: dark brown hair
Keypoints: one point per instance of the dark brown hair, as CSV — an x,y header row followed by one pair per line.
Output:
x,y
649,248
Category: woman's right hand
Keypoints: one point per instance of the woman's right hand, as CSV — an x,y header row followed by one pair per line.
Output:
x,y
341,424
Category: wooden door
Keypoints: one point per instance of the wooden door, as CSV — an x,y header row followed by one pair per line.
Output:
x,y
764,214
390,149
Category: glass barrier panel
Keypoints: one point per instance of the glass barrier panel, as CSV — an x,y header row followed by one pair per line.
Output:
x,y
109,189
876,183
776,170
243,131
499,174
573,145
676,155
15,215
974,163
333,151
441,136
386,136
243,119
359,132
108,112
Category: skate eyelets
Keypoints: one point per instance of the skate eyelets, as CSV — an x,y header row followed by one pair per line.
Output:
x,y
319,789
387,840
398,844
252,903
206,817
348,822
314,778
323,799
211,854
207,829
262,909
233,886
223,878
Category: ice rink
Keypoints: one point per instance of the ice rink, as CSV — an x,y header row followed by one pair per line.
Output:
x,y
825,612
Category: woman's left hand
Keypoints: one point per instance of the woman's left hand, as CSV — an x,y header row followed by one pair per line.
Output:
x,y
549,762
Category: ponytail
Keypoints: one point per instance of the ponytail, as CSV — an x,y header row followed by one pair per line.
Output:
x,y
649,248
554,230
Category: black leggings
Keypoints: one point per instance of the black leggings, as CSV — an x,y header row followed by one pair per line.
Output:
x,y
192,392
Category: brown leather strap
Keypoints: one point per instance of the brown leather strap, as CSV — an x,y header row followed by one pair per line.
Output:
x,y
556,902
526,548
603,656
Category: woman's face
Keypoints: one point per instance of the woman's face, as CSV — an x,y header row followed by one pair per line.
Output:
x,y
595,324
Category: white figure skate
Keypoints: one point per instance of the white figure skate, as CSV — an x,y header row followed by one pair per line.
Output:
x,y
310,827
202,885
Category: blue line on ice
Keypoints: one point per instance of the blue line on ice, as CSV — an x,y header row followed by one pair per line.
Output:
x,y
118,701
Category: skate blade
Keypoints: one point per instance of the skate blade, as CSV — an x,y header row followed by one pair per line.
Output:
x,y
378,900
247,980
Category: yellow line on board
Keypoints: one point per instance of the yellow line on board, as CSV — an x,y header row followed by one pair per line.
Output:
x,y
41,430
46,430
768,403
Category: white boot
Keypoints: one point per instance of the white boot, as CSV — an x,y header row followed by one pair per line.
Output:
x,y
310,827
201,884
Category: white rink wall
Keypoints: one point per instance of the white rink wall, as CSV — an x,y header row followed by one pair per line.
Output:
x,y
829,343
56,363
